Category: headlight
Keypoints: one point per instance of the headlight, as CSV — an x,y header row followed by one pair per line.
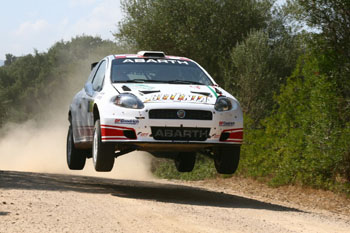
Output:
x,y
225,104
128,100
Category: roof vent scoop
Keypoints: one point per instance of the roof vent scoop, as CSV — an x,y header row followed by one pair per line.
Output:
x,y
156,54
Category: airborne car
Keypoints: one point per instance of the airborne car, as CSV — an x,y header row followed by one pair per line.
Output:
x,y
166,105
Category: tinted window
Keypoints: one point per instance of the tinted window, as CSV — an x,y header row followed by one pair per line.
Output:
x,y
158,70
99,77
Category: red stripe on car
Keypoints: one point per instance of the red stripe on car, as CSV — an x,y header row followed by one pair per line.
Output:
x,y
111,132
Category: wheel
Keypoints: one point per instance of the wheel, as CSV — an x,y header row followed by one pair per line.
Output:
x,y
75,157
184,161
102,153
226,160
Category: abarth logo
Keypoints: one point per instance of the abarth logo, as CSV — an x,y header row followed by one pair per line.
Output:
x,y
158,61
169,133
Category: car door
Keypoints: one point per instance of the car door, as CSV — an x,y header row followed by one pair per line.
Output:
x,y
92,88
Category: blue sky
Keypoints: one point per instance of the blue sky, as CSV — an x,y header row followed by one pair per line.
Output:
x,y
26,25
38,24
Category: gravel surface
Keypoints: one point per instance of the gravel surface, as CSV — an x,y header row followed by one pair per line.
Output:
x,y
40,202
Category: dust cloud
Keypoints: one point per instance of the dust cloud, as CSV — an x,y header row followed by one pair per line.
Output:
x,y
40,145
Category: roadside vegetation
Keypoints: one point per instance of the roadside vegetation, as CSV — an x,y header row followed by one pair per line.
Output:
x,y
32,84
289,66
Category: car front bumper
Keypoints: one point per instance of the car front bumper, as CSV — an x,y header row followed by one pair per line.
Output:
x,y
134,126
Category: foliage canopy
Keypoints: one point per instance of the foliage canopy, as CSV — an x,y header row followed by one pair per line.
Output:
x,y
205,30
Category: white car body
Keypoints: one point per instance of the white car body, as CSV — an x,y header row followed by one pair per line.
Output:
x,y
176,109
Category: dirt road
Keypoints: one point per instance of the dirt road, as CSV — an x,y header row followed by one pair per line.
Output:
x,y
39,202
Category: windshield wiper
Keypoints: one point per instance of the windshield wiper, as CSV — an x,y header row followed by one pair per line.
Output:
x,y
130,81
140,81
184,82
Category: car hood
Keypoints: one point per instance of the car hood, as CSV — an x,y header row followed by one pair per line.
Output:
x,y
162,93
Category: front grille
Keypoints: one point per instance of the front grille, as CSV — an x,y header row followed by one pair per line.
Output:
x,y
180,133
172,114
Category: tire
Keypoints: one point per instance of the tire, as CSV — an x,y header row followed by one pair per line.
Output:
x,y
184,161
226,160
102,153
75,158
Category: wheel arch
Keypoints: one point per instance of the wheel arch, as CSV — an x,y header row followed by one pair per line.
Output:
x,y
96,113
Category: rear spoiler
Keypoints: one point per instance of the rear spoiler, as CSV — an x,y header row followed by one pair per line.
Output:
x,y
152,54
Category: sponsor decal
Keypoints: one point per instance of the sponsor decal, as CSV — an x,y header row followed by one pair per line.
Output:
x,y
226,123
126,121
142,134
178,97
156,61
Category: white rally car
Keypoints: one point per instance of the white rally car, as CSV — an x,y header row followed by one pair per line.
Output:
x,y
166,105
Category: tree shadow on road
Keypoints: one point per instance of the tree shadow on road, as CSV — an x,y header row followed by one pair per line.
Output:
x,y
144,190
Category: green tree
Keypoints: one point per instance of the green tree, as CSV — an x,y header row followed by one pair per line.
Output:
x,y
330,18
9,59
259,66
330,22
205,30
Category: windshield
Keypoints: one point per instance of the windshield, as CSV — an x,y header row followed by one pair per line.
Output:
x,y
158,70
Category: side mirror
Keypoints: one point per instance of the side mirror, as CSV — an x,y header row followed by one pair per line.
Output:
x,y
88,89
93,65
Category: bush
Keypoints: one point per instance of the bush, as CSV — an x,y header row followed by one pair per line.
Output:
x,y
303,140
